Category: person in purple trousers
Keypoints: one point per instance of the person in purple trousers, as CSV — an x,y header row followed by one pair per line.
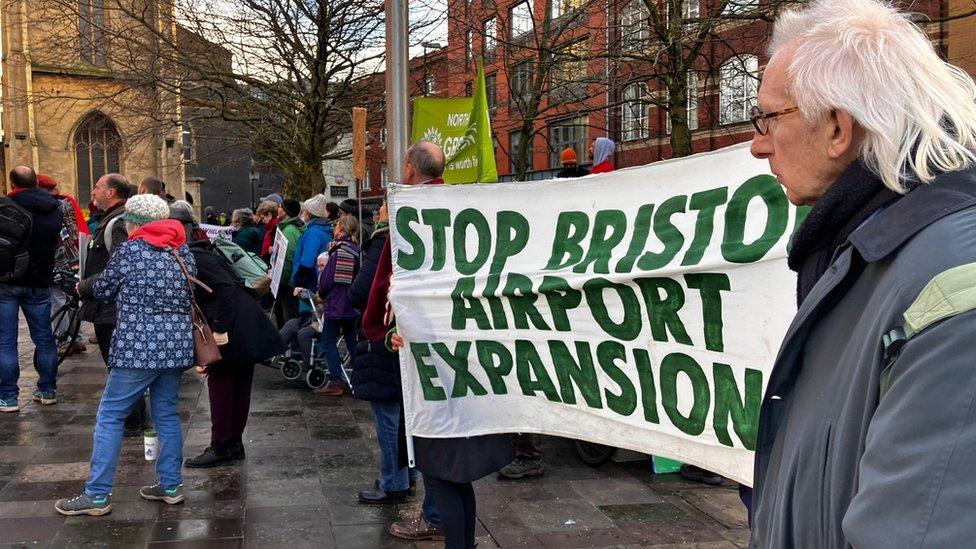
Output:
x,y
246,336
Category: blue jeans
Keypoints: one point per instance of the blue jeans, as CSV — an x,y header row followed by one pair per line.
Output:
x,y
386,418
36,304
329,343
124,388
429,510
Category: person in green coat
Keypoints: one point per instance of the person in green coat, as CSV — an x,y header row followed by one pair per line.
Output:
x,y
292,226
248,234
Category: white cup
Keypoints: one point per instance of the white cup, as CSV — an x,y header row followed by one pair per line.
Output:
x,y
151,444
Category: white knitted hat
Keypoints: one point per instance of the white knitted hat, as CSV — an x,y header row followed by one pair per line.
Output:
x,y
317,205
145,208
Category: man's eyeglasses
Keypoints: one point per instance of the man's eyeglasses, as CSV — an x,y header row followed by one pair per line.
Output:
x,y
761,120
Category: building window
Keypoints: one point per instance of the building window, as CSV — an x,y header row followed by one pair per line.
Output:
x,y
367,184
692,100
633,112
520,20
383,178
187,142
97,144
567,133
739,6
563,7
91,27
491,85
634,25
691,9
514,141
738,81
468,48
429,85
489,39
467,89
568,81
520,86
383,136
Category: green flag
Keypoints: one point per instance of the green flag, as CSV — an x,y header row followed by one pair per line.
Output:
x,y
462,128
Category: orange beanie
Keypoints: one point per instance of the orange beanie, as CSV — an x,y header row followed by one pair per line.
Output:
x,y
568,156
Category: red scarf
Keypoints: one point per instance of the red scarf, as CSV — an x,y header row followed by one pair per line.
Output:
x,y
168,233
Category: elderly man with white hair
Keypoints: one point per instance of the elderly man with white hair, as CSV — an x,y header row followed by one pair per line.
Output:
x,y
867,434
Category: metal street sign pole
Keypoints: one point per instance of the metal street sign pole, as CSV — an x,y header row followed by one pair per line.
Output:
x,y
397,74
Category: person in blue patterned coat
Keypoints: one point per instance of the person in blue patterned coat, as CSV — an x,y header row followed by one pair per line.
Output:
x,y
151,347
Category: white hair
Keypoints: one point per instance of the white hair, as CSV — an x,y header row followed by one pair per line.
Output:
x,y
918,112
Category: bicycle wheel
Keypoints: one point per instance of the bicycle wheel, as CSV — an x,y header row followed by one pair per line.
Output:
x,y
66,315
593,454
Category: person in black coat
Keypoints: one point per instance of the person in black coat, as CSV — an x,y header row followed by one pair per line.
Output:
x,y
376,378
245,335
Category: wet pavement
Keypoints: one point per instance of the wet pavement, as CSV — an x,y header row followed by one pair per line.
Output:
x,y
307,457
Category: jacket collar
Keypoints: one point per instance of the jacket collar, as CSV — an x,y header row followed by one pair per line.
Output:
x,y
925,204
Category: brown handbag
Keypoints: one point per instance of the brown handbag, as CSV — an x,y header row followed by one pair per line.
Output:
x,y
205,349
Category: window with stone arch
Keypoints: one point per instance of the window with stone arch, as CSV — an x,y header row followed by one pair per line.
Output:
x,y
97,143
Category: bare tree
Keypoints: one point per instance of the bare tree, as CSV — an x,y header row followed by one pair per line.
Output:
x,y
279,71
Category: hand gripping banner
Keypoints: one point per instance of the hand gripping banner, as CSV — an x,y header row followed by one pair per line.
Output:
x,y
640,309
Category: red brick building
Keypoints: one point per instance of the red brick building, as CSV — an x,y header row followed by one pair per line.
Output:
x,y
593,69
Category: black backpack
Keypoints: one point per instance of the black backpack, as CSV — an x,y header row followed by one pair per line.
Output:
x,y
16,224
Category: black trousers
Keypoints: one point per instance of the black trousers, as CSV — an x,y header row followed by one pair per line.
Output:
x,y
285,306
456,504
527,446
230,401
137,417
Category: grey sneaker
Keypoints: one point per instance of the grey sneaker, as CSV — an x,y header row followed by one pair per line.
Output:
x,y
156,492
45,397
9,405
521,468
84,504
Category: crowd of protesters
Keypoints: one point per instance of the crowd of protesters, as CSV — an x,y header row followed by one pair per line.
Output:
x,y
887,195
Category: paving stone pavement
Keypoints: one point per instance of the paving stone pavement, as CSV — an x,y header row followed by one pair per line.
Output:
x,y
307,457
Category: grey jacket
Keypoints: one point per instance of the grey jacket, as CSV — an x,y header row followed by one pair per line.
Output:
x,y
93,310
838,466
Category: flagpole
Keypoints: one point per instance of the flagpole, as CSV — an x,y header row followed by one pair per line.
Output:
x,y
397,75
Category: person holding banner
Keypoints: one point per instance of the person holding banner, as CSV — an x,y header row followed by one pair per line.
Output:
x,y
867,428
292,227
449,465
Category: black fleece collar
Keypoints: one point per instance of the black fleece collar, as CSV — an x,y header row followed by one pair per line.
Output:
x,y
855,195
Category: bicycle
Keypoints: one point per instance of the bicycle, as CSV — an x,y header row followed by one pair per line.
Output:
x,y
66,322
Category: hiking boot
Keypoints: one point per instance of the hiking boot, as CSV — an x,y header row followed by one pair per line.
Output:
x,y
45,397
697,474
378,496
332,389
156,492
84,504
9,405
522,468
416,530
211,457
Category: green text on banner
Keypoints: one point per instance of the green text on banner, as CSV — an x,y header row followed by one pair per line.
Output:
x,y
640,309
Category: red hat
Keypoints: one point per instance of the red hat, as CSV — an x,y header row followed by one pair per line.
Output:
x,y
45,181
568,156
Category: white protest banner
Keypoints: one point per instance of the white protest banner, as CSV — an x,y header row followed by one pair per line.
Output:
x,y
278,251
640,309
216,231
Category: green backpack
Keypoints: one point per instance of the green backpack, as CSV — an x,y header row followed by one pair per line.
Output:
x,y
250,270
